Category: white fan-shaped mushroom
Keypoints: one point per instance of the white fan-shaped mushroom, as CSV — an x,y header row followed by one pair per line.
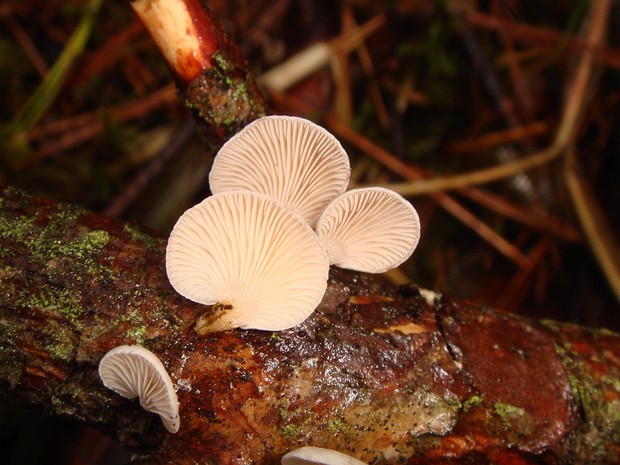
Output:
x,y
133,371
309,455
372,230
256,259
290,159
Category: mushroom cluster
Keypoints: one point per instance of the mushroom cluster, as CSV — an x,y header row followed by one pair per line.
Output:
x,y
259,249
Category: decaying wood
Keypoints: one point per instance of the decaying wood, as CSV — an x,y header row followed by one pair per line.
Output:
x,y
387,374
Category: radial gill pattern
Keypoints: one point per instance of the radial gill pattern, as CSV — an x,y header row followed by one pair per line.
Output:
x,y
290,159
134,371
256,259
370,230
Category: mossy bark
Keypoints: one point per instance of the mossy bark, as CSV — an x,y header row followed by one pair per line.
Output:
x,y
377,371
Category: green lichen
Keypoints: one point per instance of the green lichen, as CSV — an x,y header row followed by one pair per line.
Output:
x,y
137,333
508,412
473,401
139,236
60,341
85,247
337,425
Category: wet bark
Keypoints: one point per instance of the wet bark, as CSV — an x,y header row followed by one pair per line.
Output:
x,y
387,374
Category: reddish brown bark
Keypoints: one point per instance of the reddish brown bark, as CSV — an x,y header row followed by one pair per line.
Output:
x,y
376,371
214,81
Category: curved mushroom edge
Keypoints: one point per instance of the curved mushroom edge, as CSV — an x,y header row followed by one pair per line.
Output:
x,y
310,455
371,229
333,244
289,158
134,371
255,261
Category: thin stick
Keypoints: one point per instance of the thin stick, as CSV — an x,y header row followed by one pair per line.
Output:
x,y
528,34
483,176
503,136
599,233
182,32
403,169
71,132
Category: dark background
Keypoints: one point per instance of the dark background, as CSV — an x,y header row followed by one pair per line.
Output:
x,y
434,85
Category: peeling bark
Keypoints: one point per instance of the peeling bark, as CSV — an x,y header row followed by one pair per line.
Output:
x,y
212,76
384,373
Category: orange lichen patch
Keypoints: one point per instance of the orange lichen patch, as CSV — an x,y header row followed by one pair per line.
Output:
x,y
405,328
369,299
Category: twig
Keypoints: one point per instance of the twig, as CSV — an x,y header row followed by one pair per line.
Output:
x,y
77,130
27,45
182,33
528,34
503,136
144,178
315,57
600,235
543,222
509,295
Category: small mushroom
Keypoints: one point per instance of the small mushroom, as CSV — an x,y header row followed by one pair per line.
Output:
x,y
371,230
256,260
290,159
309,455
133,371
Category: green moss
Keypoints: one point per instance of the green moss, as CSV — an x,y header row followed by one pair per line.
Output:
x,y
47,242
50,299
11,359
88,245
289,430
60,344
221,62
336,425
137,333
507,412
473,401
139,236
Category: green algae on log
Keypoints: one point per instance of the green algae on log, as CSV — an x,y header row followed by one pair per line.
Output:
x,y
223,98
380,372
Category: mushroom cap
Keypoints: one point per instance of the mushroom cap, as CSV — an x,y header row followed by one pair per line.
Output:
x,y
133,371
288,158
255,258
309,455
371,230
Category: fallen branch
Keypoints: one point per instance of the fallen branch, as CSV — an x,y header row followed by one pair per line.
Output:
x,y
385,374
